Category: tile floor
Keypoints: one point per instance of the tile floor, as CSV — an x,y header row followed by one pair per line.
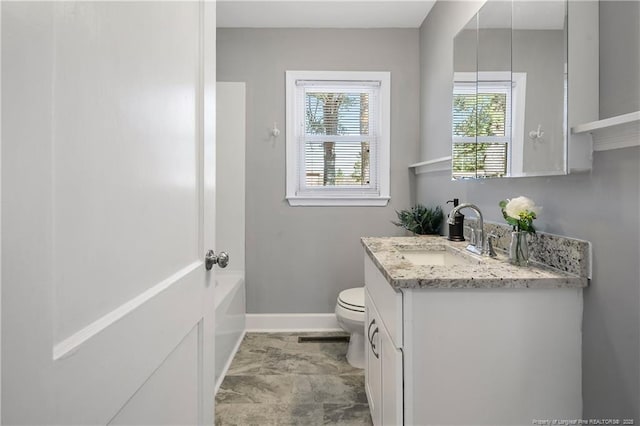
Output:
x,y
274,380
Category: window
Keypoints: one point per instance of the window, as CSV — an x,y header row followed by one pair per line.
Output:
x,y
338,138
482,122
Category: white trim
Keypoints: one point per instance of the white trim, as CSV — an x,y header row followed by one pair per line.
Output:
x,y
337,201
224,371
292,322
534,174
408,312
1,200
69,345
384,150
436,165
481,76
290,130
583,80
344,76
465,77
515,159
207,238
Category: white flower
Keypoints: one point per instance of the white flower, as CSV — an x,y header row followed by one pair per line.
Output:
x,y
520,205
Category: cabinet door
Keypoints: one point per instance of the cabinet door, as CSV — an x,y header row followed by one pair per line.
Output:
x,y
373,371
392,383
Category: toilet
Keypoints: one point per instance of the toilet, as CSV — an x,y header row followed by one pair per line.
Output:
x,y
350,316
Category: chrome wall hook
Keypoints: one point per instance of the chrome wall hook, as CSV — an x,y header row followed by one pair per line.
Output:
x,y
275,132
536,134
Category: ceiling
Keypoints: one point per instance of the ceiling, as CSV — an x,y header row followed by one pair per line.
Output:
x,y
322,14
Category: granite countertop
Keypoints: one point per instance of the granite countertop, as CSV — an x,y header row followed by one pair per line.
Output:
x,y
473,272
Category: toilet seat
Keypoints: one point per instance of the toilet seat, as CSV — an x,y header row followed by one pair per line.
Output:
x,y
352,299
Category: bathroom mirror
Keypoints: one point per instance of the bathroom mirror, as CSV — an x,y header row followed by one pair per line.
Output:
x,y
509,110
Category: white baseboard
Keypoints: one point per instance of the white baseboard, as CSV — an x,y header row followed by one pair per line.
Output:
x,y
292,322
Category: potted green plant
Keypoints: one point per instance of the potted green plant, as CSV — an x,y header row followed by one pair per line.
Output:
x,y
420,220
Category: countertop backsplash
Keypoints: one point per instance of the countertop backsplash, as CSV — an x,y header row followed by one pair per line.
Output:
x,y
563,253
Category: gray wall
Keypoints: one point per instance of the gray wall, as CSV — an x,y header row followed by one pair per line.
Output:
x,y
299,258
601,206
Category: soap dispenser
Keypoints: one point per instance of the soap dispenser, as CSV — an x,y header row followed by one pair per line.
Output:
x,y
456,231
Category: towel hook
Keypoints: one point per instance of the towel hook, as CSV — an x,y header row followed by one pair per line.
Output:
x,y
536,134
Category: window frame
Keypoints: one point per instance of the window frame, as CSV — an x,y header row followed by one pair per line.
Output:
x,y
346,196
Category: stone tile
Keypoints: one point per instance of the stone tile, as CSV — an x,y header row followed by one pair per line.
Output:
x,y
246,363
278,361
269,414
309,358
342,389
303,391
347,414
274,380
261,342
256,389
336,349
303,414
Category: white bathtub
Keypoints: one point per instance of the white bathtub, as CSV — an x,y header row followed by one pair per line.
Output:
x,y
230,319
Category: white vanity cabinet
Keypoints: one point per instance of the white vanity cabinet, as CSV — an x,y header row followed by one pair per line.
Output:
x,y
383,370
373,363
493,356
383,334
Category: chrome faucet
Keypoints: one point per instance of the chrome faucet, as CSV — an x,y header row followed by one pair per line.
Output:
x,y
478,247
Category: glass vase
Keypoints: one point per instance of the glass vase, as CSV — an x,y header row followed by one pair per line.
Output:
x,y
519,248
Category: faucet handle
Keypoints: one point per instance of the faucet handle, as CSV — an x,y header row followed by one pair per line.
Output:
x,y
490,250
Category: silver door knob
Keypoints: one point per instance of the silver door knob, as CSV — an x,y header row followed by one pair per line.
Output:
x,y
210,259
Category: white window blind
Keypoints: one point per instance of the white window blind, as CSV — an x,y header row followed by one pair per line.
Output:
x,y
338,140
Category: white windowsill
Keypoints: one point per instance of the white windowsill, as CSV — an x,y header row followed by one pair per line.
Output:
x,y
338,202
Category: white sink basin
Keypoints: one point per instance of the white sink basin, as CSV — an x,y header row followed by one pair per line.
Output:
x,y
426,257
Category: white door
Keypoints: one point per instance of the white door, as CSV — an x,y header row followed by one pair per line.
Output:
x,y
108,134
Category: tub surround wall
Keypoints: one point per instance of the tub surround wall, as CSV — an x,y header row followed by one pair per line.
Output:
x,y
230,173
600,206
230,223
299,258
230,321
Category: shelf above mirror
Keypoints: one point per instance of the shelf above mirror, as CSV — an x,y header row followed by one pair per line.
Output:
x,y
621,131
